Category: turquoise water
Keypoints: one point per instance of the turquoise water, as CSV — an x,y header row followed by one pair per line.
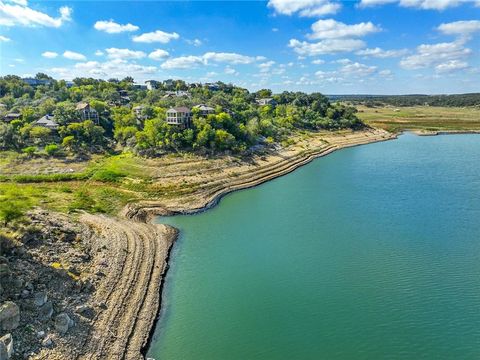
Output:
x,y
372,252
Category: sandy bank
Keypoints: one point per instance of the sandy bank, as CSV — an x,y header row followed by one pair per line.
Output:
x,y
133,263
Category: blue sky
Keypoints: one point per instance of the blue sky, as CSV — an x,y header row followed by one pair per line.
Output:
x,y
364,46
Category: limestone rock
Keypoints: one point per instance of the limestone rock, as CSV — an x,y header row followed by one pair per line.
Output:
x,y
6,347
63,323
9,316
46,311
85,311
47,342
40,298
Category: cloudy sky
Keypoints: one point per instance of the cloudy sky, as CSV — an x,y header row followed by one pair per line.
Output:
x,y
336,47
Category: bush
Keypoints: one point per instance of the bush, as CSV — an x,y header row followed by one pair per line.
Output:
x,y
107,176
30,150
52,149
10,210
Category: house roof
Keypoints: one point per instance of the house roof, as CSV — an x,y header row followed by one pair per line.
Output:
x,y
13,115
179,109
138,107
46,121
203,107
82,105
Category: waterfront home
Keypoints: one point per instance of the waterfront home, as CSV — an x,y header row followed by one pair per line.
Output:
x,y
151,84
87,112
47,121
11,116
212,86
266,101
204,110
179,116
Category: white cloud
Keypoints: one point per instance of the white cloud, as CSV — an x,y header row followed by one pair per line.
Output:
x,y
18,13
158,54
419,4
74,55
4,38
274,29
463,28
232,58
428,55
50,54
116,68
98,53
331,29
451,66
194,42
265,67
306,8
231,71
318,62
111,27
357,69
183,62
380,53
156,36
114,53
328,46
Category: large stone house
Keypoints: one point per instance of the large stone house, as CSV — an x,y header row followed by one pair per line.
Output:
x,y
87,112
179,116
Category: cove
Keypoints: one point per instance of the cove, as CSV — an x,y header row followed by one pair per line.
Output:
x,y
372,252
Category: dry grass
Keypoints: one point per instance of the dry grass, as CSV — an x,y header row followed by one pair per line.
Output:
x,y
421,118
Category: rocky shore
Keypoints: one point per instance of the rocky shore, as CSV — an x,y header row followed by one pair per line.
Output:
x,y
86,289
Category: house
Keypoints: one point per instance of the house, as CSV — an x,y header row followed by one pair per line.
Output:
x,y
151,84
179,116
11,116
179,93
204,110
87,112
212,86
138,110
266,101
36,82
169,83
139,86
47,121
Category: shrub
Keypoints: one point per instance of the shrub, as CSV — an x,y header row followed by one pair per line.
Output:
x,y
52,149
107,175
30,150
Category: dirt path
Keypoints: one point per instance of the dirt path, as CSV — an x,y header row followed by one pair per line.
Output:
x,y
130,294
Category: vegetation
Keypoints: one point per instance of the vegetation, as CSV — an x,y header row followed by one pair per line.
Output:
x,y
237,123
421,118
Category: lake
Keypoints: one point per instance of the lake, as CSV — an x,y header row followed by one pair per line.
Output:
x,y
372,252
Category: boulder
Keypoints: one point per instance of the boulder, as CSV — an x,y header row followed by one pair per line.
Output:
x,y
4,271
46,310
40,298
63,323
6,347
9,316
85,311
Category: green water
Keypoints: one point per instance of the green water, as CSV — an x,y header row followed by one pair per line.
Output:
x,y
372,252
